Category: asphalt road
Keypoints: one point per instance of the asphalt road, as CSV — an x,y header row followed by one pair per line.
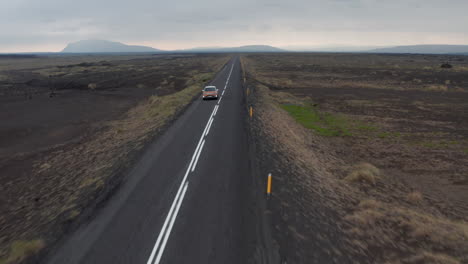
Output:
x,y
185,200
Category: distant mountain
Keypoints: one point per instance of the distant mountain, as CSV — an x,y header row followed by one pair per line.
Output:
x,y
329,48
249,48
425,49
101,46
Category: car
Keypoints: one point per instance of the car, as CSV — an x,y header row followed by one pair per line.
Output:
x,y
210,92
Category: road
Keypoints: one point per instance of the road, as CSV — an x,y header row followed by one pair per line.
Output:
x,y
185,200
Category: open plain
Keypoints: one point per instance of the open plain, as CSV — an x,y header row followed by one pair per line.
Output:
x,y
70,128
370,153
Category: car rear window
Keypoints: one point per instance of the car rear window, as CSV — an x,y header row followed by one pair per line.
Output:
x,y
209,89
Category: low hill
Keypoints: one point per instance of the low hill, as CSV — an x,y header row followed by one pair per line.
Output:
x,y
426,49
248,48
100,46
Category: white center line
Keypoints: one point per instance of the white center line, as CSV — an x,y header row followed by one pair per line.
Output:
x,y
166,237
174,210
209,126
198,155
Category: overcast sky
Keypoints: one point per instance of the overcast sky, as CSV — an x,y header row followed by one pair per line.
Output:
x,y
48,25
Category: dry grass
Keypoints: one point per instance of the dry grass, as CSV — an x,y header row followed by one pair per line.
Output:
x,y
427,258
364,172
121,138
285,98
415,197
92,86
353,71
53,61
437,88
22,249
293,140
76,175
392,223
399,229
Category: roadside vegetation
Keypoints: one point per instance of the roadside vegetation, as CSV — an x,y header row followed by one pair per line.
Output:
x,y
324,124
20,250
370,154
91,117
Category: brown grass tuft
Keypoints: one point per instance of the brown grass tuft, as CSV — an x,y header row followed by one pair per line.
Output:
x,y
414,197
364,172
369,204
430,258
92,86
437,88
381,224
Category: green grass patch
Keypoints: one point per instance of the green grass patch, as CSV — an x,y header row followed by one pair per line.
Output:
x,y
366,128
324,124
430,144
389,135
440,144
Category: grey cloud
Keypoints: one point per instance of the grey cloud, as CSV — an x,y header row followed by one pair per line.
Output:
x,y
32,22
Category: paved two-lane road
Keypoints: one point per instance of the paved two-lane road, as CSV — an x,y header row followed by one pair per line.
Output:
x,y
186,200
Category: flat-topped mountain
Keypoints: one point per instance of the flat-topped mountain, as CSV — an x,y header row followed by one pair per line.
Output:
x,y
101,46
248,48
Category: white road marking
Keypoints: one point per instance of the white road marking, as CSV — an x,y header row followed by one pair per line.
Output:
x,y
166,237
227,82
176,204
198,155
209,126
171,210
169,215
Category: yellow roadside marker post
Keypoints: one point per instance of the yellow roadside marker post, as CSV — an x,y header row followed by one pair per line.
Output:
x,y
269,185
251,112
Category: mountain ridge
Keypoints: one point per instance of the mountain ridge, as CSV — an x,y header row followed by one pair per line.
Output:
x,y
245,48
424,49
103,46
